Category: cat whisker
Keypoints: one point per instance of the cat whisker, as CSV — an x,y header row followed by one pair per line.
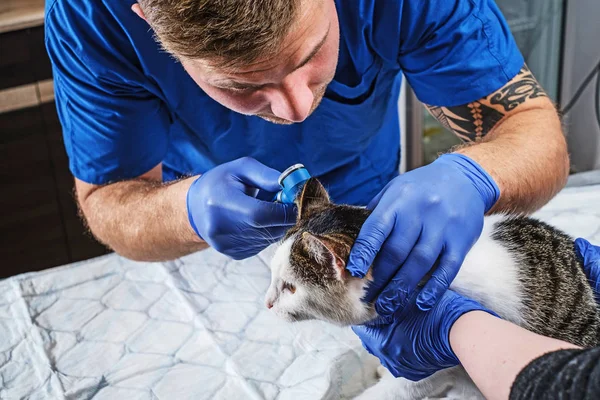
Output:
x,y
266,234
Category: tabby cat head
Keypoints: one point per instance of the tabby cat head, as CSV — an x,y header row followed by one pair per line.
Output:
x,y
308,275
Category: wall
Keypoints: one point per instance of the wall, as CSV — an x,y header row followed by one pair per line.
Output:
x,y
581,54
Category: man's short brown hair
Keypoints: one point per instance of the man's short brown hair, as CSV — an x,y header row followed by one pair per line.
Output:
x,y
226,32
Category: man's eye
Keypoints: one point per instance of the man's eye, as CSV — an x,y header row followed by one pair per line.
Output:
x,y
240,89
290,287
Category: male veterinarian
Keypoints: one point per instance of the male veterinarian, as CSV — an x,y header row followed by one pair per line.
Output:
x,y
155,93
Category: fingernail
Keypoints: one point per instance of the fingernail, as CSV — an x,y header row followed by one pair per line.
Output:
x,y
385,312
425,302
355,272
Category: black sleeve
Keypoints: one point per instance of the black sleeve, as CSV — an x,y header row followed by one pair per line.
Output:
x,y
563,374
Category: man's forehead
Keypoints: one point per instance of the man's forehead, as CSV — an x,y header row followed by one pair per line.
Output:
x,y
301,44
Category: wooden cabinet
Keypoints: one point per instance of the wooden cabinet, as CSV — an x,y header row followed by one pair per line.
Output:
x,y
39,225
23,58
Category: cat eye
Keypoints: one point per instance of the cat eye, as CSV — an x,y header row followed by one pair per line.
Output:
x,y
290,287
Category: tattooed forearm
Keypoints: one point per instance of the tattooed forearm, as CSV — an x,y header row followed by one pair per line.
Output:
x,y
514,94
471,122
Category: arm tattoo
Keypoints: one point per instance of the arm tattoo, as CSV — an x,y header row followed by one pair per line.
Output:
x,y
471,122
512,95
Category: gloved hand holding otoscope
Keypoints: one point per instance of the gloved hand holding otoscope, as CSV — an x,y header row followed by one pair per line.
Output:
x,y
224,211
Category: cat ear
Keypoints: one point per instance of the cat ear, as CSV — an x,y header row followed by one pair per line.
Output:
x,y
312,197
323,252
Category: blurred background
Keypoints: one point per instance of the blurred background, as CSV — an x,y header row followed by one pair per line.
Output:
x,y
559,40
39,225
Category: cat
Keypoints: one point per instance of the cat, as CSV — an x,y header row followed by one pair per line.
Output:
x,y
524,270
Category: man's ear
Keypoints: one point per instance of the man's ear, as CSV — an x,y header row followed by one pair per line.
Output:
x,y
322,251
138,10
312,197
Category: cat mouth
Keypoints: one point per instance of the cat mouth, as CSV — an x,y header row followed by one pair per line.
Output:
x,y
298,316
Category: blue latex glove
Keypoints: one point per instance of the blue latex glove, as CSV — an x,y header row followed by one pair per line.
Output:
x,y
417,343
224,212
435,211
590,255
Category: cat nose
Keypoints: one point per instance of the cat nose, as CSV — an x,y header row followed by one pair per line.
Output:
x,y
270,298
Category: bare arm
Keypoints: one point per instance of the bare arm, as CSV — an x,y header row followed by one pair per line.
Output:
x,y
515,135
142,219
494,351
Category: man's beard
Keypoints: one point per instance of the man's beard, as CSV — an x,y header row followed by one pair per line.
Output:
x,y
280,121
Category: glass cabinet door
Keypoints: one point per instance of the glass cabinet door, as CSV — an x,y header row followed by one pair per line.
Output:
x,y
537,28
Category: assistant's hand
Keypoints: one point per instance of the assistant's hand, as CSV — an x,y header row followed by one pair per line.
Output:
x,y
435,211
416,344
224,212
590,255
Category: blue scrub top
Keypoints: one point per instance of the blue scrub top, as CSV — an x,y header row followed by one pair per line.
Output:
x,y
126,106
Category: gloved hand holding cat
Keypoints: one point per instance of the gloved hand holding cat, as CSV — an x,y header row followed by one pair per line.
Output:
x,y
417,343
590,255
432,212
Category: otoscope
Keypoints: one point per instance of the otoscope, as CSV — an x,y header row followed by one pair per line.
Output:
x,y
291,181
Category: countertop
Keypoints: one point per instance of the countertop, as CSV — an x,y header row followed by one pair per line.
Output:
x,y
20,14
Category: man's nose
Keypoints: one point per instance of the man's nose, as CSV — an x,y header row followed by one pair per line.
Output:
x,y
292,102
